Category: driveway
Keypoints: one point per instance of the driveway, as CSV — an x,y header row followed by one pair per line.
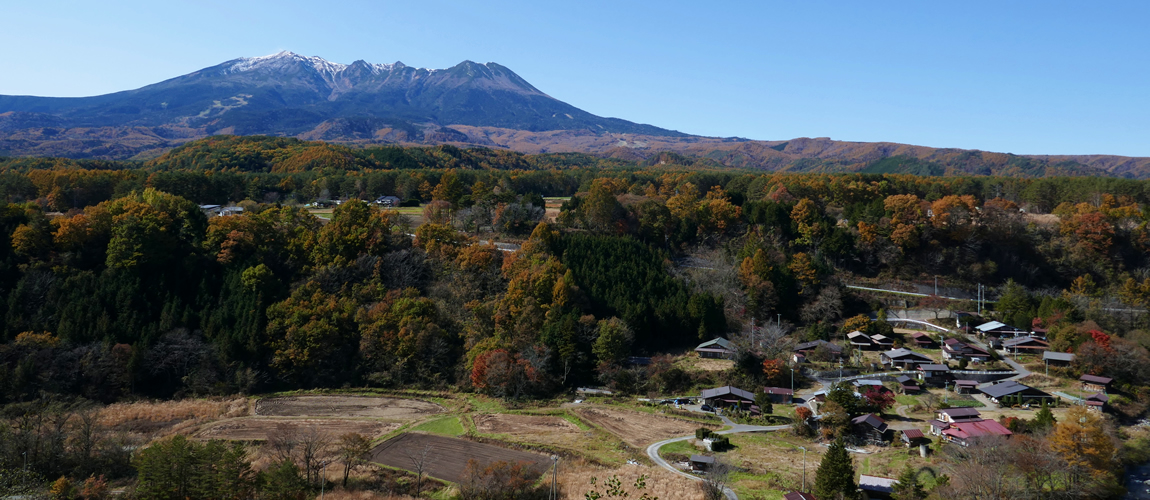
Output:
x,y
734,428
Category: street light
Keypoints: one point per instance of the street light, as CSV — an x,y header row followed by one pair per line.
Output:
x,y
792,384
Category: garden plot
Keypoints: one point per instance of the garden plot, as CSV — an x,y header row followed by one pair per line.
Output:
x,y
543,429
447,458
639,429
346,406
258,429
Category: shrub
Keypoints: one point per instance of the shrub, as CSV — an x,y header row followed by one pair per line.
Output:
x,y
703,433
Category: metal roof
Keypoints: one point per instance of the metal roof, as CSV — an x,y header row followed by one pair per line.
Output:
x,y
876,483
986,327
871,420
912,434
721,342
1094,379
960,412
1058,356
1006,388
725,390
703,459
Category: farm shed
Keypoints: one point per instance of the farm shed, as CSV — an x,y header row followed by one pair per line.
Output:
x,y
727,396
923,340
908,384
808,348
870,428
965,386
779,394
1058,358
716,348
912,437
875,487
701,462
860,340
1095,383
933,373
1021,345
952,415
1097,402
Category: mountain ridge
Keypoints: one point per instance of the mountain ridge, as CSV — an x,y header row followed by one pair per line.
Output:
x,y
469,104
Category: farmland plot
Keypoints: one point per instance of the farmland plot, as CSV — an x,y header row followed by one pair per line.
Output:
x,y
346,406
638,429
447,458
257,429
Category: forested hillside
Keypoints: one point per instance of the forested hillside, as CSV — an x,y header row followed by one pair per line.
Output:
x,y
114,282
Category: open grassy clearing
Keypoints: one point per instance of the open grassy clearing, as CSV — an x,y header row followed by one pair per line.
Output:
x,y
447,426
259,428
447,457
346,406
635,428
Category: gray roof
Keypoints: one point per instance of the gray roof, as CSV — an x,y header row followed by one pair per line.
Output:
x,y
703,459
815,344
1021,340
717,342
934,367
870,420
960,412
1058,356
875,483
722,391
903,352
1005,389
986,327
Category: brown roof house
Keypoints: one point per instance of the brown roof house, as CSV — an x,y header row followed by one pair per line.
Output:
x,y
965,433
727,396
923,340
1095,383
779,394
860,340
1008,392
907,384
954,349
1097,401
932,373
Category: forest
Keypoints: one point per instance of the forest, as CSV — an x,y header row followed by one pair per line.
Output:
x,y
116,285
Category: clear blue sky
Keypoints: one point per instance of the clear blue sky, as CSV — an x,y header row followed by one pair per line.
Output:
x,y
1045,77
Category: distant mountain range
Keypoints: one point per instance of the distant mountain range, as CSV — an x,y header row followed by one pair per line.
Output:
x,y
468,104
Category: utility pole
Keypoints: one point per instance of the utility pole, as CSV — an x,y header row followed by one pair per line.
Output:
x,y
323,480
804,468
792,384
936,285
554,476
779,321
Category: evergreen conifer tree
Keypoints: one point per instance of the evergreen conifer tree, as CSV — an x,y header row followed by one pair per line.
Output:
x,y
835,477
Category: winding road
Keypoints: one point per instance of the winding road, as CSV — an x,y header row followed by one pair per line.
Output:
x,y
653,450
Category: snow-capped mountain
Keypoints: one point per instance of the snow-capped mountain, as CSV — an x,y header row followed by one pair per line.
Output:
x,y
295,95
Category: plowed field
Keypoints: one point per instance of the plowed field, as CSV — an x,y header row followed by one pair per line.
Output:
x,y
257,429
447,459
638,429
543,429
345,406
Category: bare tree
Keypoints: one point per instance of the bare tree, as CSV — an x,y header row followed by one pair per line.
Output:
x,y
419,463
314,447
715,480
983,470
282,442
354,450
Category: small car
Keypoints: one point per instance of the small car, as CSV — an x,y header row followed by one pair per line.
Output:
x,y
706,408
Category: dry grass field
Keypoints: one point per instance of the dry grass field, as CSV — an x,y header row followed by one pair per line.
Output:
x,y
346,406
543,429
164,418
449,456
634,428
575,481
257,428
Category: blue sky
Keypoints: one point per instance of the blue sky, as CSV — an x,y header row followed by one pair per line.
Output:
x,y
1022,77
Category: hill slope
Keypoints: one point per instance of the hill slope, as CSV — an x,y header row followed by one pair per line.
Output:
x,y
488,105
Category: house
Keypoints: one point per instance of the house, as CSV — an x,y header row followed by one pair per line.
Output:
x,y
903,358
387,201
965,386
861,385
779,394
908,384
882,341
1097,402
1009,392
999,329
1095,383
806,348
954,349
913,437
965,433
231,211
701,462
210,210
923,340
933,373
727,396
954,415
716,348
798,495
1058,358
1020,345
870,428
875,487
860,340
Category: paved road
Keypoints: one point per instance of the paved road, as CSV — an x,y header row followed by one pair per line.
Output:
x,y
653,450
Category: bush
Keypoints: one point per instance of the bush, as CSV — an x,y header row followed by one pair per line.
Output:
x,y
703,433
720,443
411,202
